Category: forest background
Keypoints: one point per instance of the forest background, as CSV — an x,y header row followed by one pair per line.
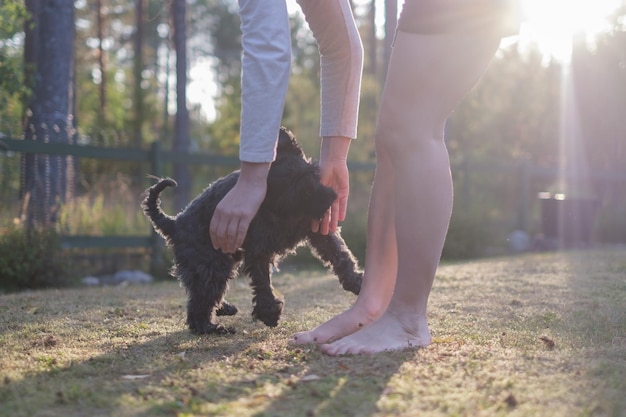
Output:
x,y
123,80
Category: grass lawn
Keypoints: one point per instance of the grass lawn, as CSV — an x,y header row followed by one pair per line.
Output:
x,y
534,335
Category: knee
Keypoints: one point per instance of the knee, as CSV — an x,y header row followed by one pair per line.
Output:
x,y
396,137
395,145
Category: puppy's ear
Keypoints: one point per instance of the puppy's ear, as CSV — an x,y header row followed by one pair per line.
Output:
x,y
287,143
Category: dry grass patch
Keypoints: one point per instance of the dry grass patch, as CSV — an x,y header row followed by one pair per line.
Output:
x,y
536,335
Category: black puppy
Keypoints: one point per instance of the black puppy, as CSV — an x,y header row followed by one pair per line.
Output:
x,y
295,196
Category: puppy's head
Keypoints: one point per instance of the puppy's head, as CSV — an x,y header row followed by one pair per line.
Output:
x,y
310,196
301,194
293,183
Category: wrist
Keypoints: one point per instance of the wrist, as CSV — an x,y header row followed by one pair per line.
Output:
x,y
254,172
335,148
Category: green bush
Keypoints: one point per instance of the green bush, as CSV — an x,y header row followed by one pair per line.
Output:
x,y
30,259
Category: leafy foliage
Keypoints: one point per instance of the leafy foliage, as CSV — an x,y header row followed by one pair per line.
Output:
x,y
30,259
12,91
12,15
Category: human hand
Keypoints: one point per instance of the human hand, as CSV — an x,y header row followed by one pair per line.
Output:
x,y
232,216
334,173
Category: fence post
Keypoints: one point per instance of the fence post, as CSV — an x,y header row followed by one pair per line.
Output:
x,y
156,164
156,245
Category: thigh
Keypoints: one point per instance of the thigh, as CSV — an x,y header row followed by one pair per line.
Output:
x,y
428,74
443,16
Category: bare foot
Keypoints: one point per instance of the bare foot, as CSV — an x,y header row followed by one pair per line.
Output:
x,y
339,326
389,332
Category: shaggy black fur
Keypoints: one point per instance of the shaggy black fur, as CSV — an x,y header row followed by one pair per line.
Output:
x,y
294,197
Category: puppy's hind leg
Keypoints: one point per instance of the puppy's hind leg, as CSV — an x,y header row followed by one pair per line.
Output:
x,y
204,294
226,308
332,250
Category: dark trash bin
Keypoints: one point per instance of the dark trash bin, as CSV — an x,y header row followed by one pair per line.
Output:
x,y
567,221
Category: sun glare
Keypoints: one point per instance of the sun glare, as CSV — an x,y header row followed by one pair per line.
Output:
x,y
551,24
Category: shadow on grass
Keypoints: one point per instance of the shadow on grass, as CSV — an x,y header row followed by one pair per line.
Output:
x,y
97,349
342,387
347,386
140,371
490,317
267,377
118,352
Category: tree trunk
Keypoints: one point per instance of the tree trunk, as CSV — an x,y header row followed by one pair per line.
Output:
x,y
181,123
137,75
165,130
47,179
102,66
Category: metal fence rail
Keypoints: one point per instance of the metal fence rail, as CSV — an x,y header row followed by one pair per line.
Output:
x,y
524,172
155,156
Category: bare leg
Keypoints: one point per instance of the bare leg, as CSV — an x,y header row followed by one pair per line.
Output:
x,y
428,75
380,264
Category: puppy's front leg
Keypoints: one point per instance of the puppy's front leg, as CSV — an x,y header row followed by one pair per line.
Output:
x,y
266,306
332,250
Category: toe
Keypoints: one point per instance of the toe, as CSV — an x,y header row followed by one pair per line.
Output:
x,y
333,349
302,338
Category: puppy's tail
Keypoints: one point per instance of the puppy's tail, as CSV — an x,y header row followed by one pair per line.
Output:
x,y
151,205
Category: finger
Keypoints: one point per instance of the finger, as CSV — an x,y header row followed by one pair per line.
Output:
x,y
222,235
231,236
242,230
215,221
334,217
342,206
315,225
324,224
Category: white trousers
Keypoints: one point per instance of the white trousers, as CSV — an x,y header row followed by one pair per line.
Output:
x,y
266,68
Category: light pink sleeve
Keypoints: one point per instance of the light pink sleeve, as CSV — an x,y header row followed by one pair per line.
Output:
x,y
341,51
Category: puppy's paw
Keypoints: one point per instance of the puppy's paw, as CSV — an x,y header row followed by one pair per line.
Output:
x,y
212,328
353,283
226,309
268,312
221,330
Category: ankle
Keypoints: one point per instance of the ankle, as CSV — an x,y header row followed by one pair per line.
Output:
x,y
370,310
412,321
